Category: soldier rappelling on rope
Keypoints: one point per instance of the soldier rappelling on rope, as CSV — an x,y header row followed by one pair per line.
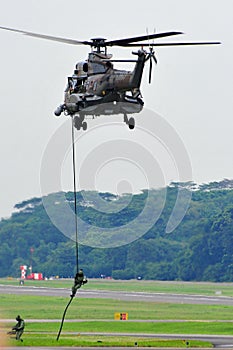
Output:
x,y
79,280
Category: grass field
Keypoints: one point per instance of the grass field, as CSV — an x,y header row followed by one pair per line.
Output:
x,y
97,315
42,328
105,341
34,307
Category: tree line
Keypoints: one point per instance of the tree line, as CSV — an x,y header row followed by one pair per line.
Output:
x,y
199,249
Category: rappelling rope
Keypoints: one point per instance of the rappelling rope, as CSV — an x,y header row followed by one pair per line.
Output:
x,y
63,317
75,195
76,225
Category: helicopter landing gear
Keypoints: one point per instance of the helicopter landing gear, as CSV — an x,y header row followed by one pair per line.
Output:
x,y
79,122
130,122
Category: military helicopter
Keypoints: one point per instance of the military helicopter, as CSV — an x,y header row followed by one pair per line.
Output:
x,y
97,88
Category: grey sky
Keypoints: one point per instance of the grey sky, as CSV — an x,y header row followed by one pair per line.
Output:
x,y
191,87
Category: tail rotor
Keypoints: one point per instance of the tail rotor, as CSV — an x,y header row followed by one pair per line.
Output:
x,y
151,57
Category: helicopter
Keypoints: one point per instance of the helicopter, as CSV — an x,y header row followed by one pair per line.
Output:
x,y
97,88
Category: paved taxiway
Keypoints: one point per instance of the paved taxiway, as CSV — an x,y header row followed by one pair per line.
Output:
x,y
119,295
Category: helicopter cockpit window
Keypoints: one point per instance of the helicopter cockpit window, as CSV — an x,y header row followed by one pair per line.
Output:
x,y
81,69
85,67
98,68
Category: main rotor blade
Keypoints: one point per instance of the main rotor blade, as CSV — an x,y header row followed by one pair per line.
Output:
x,y
48,37
174,44
126,41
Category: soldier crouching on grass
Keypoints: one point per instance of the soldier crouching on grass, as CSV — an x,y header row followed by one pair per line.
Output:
x,y
79,280
19,328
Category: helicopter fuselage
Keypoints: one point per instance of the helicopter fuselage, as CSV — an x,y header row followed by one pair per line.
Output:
x,y
95,81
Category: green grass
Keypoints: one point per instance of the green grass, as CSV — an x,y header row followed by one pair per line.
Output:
x,y
223,328
100,341
34,307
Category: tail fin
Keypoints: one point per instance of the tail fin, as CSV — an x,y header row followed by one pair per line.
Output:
x,y
136,78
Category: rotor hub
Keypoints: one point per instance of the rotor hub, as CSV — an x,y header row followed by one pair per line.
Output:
x,y
98,42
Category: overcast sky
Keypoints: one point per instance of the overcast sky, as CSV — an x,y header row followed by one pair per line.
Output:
x,y
191,91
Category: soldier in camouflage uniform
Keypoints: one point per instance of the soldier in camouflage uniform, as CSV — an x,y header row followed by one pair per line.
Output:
x,y
79,280
19,328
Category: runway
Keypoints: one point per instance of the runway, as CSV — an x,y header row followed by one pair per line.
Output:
x,y
119,295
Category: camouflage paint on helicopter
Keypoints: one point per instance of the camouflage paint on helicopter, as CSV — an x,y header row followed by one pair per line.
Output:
x,y
96,81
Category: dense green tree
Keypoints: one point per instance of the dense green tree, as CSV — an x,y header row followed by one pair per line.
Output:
x,y
200,248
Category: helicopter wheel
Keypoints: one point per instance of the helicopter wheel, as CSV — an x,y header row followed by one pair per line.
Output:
x,y
84,126
79,123
131,123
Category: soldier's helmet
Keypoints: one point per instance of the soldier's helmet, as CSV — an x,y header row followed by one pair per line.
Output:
x,y
18,318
